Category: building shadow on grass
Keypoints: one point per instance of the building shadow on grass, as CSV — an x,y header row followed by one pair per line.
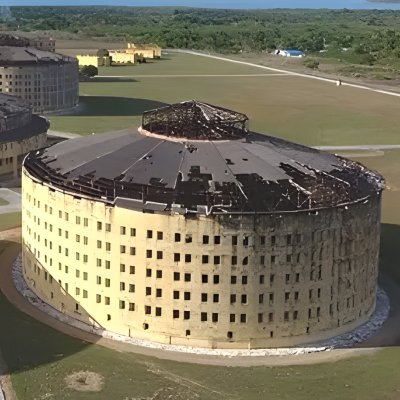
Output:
x,y
106,79
114,106
389,280
25,342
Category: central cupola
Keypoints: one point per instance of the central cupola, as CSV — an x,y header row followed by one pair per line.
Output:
x,y
194,120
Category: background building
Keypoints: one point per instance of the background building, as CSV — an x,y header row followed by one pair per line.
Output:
x,y
20,133
290,53
195,231
41,43
124,57
47,80
87,59
145,50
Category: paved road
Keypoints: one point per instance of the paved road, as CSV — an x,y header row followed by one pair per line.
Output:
x,y
98,77
14,200
330,80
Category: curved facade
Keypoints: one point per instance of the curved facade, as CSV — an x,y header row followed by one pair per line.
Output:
x,y
47,80
147,233
20,133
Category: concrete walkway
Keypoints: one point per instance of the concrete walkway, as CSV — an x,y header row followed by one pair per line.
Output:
x,y
362,147
66,135
14,200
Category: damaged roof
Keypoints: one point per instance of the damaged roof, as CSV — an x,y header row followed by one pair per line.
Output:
x,y
10,105
171,171
13,107
195,120
11,55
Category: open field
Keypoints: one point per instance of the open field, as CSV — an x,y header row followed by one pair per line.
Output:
x,y
300,109
11,220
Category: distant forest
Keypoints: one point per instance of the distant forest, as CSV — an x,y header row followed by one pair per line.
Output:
x,y
367,37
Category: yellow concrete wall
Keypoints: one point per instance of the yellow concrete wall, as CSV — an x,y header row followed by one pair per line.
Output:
x,y
145,53
147,50
12,153
85,59
122,57
288,279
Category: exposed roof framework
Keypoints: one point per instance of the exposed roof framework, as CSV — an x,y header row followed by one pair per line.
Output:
x,y
196,121
254,173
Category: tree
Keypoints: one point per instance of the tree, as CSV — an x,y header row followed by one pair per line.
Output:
x,y
311,63
89,71
102,53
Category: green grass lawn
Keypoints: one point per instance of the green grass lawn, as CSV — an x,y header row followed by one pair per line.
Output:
x,y
3,202
182,64
300,109
11,220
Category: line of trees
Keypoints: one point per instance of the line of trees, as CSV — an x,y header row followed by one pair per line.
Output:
x,y
370,35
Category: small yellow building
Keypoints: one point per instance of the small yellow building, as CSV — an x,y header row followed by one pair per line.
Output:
x,y
145,50
122,57
87,59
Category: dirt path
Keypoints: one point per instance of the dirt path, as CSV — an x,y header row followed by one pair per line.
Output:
x,y
13,235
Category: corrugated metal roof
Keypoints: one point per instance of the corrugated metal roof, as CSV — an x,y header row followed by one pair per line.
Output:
x,y
30,55
254,173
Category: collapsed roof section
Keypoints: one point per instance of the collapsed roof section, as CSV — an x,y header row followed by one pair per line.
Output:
x,y
10,105
12,40
253,173
195,121
17,122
